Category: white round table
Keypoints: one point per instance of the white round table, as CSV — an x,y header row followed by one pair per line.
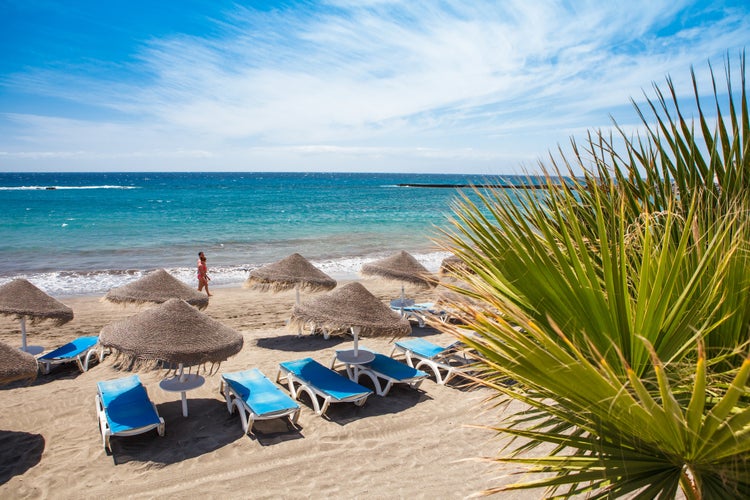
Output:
x,y
348,357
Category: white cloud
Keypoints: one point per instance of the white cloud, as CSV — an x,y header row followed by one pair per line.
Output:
x,y
475,83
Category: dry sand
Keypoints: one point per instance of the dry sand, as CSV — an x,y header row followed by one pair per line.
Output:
x,y
410,444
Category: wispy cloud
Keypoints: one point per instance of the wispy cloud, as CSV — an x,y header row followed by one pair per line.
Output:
x,y
475,83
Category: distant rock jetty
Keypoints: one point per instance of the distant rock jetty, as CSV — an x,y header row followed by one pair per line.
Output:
x,y
518,185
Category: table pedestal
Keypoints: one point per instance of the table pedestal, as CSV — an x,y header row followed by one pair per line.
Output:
x,y
352,362
182,385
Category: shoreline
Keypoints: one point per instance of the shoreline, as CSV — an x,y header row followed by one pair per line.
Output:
x,y
64,284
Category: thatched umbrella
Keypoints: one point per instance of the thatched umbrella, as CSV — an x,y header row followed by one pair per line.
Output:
x,y
156,287
352,306
174,334
401,267
290,272
16,364
453,264
21,299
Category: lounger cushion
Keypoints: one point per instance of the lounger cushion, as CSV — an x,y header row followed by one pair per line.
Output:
x,y
393,368
421,347
324,379
126,404
71,349
259,393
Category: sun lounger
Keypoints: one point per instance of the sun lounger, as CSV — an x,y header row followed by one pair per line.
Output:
x,y
320,382
124,409
420,312
384,372
257,398
444,362
80,350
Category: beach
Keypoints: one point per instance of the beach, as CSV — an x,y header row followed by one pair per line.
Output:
x,y
410,444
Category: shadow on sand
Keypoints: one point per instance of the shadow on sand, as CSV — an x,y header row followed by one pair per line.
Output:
x,y
208,427
305,343
19,452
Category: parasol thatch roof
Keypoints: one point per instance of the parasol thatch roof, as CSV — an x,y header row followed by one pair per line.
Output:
x,y
454,264
351,305
156,287
173,332
16,364
21,299
289,272
401,267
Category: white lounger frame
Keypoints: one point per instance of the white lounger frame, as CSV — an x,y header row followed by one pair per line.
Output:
x,y
290,379
247,415
82,360
440,365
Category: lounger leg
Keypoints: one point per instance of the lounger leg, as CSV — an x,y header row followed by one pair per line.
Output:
x,y
407,358
333,362
103,427
294,417
375,381
247,423
434,368
161,428
386,390
226,391
83,365
320,410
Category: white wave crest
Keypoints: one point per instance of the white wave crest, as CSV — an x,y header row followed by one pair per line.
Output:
x,y
55,188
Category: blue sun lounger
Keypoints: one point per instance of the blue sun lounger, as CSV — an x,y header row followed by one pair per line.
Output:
x,y
419,353
257,398
384,373
419,312
79,350
124,409
321,382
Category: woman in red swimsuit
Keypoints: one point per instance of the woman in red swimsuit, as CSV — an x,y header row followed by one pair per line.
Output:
x,y
203,278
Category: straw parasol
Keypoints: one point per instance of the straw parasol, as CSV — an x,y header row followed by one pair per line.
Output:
x,y
16,364
453,264
174,334
352,306
290,272
156,287
401,267
21,299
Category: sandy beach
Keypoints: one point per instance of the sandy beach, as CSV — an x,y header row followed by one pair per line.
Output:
x,y
410,444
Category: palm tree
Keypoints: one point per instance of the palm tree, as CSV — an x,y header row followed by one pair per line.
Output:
x,y
630,287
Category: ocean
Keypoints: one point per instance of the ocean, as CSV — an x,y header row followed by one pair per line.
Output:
x,y
84,233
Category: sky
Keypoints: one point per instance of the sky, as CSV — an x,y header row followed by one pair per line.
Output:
x,y
475,86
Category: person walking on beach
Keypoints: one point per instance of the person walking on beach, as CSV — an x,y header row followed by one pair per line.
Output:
x,y
203,278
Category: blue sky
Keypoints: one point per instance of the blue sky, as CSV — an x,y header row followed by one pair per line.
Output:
x,y
342,85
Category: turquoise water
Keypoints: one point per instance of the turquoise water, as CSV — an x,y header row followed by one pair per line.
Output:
x,y
79,233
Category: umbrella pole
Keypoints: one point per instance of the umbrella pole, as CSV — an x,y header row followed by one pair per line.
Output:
x,y
24,348
299,327
355,333
182,394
